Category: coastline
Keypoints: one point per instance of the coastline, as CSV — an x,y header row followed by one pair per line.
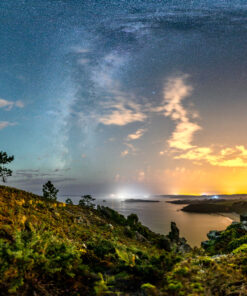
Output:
x,y
234,217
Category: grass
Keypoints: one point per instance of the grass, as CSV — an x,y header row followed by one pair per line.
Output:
x,y
51,248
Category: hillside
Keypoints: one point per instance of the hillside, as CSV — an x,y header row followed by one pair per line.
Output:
x,y
50,248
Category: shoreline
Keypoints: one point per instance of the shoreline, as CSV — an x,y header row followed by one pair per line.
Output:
x,y
234,217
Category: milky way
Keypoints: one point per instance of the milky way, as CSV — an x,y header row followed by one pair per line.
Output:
x,y
102,95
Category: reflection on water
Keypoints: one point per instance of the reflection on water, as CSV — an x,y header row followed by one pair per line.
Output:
x,y
157,216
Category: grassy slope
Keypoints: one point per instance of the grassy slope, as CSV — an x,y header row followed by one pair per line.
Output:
x,y
49,248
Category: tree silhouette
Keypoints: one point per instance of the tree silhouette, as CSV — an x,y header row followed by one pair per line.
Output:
x,y
5,159
86,200
69,201
50,191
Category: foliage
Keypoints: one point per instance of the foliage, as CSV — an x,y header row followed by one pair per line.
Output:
x,y
50,191
102,286
51,248
69,201
34,255
242,248
132,219
101,247
5,159
112,215
55,249
87,201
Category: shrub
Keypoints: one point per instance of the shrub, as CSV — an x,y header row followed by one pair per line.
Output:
x,y
69,201
102,248
34,256
132,219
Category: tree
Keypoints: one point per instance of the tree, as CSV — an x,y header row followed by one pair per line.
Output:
x,y
69,201
87,201
5,159
50,191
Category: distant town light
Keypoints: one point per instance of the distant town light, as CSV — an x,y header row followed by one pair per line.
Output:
x,y
215,196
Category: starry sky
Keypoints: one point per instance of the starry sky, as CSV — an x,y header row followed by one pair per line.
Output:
x,y
125,96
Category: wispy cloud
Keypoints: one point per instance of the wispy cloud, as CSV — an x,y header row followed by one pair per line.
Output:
x,y
130,149
175,91
122,113
124,152
4,124
137,135
8,105
120,107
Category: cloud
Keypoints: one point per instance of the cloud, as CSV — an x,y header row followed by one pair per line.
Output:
x,y
125,152
8,105
105,100
4,124
131,149
19,104
122,114
137,135
175,91
180,143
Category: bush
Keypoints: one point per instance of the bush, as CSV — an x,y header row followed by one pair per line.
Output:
x,y
132,219
101,248
34,256
112,215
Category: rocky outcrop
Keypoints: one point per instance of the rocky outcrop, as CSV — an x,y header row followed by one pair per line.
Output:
x,y
243,217
174,233
176,242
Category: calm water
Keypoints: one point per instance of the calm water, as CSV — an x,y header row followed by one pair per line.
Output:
x,y
157,216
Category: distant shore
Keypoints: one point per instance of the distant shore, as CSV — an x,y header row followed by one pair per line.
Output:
x,y
140,200
231,208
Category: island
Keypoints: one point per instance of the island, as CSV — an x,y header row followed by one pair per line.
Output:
x,y
140,200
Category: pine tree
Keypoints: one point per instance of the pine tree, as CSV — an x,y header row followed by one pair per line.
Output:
x,y
5,159
87,200
50,191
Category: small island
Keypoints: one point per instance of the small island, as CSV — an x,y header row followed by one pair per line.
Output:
x,y
140,200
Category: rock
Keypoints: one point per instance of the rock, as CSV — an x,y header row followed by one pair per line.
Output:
x,y
174,233
243,217
140,237
244,227
110,226
214,234
184,248
219,257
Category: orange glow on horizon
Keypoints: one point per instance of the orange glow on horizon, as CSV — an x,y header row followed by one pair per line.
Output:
x,y
198,181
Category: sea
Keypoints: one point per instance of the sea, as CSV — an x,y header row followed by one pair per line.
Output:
x,y
158,216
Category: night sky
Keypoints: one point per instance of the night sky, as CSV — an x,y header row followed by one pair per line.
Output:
x,y
125,97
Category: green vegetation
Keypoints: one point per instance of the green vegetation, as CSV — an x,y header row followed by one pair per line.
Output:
x,y
87,201
53,248
50,191
69,201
